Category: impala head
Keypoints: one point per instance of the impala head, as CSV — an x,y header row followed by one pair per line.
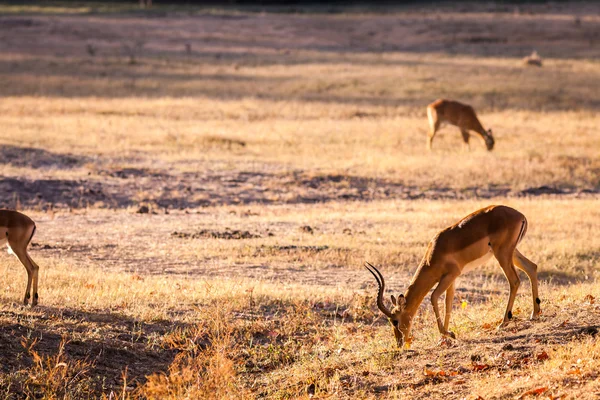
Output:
x,y
399,318
489,140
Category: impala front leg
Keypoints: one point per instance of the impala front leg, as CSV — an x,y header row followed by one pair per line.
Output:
x,y
466,136
444,285
449,298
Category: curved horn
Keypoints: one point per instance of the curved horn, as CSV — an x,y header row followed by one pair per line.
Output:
x,y
381,284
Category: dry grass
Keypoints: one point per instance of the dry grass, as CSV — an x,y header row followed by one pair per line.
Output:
x,y
268,316
248,337
275,156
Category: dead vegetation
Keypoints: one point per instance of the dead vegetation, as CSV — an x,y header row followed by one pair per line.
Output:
x,y
203,215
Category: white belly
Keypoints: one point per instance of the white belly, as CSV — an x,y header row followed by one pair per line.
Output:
x,y
477,263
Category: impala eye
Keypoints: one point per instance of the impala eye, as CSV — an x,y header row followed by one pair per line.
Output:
x,y
395,323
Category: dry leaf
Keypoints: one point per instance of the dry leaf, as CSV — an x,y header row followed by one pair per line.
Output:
x,y
429,372
589,298
542,356
480,367
534,392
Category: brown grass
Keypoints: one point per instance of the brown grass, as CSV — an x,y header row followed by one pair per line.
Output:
x,y
274,158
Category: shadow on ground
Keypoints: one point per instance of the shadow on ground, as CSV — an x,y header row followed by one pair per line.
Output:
x,y
111,342
132,186
30,157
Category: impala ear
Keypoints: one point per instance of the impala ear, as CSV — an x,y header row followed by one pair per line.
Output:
x,y
393,300
401,301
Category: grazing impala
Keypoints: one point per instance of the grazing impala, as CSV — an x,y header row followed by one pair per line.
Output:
x,y
16,230
461,115
494,230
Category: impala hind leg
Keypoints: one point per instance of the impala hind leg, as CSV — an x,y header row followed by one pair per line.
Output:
x,y
18,242
513,282
434,125
34,286
31,274
443,286
530,268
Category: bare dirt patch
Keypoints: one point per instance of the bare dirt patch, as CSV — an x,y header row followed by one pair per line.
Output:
x,y
128,187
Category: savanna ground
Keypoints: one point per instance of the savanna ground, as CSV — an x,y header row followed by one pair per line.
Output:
x,y
207,185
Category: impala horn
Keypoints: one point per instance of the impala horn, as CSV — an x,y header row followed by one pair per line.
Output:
x,y
381,284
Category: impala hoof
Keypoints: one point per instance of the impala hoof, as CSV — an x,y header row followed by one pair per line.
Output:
x,y
449,334
534,316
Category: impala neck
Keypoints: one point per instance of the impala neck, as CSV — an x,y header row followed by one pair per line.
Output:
x,y
418,289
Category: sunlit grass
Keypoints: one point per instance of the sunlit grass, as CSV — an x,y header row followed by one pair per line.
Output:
x,y
171,304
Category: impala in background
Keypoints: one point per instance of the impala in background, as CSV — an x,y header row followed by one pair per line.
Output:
x,y
461,115
17,230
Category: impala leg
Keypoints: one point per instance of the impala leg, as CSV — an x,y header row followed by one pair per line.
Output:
x,y
431,135
434,125
35,273
466,136
444,284
31,273
449,298
530,268
513,282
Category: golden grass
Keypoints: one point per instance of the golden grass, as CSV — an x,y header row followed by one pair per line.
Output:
x,y
268,132
246,337
239,334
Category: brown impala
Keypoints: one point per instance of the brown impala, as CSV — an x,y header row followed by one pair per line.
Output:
x,y
494,230
461,115
16,230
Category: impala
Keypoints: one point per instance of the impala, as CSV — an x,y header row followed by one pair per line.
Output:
x,y
494,230
461,115
16,230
